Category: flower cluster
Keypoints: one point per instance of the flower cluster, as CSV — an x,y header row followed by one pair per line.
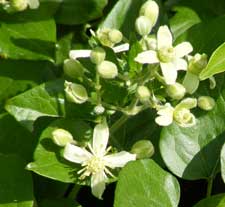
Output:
x,y
165,78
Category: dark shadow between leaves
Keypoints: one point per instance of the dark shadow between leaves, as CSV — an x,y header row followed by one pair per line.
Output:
x,y
207,160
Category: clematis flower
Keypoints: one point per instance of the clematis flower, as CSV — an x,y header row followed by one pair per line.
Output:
x,y
170,58
96,161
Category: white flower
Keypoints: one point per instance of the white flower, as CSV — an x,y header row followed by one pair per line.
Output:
x,y
165,113
169,57
96,162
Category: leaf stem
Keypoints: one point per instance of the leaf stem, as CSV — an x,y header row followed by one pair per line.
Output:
x,y
209,187
73,193
118,123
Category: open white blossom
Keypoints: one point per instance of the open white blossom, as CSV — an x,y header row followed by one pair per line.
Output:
x,y
170,58
96,162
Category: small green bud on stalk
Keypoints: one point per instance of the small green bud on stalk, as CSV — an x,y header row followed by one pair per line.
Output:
x,y
176,91
97,55
107,70
143,25
206,103
73,68
143,149
75,93
115,36
19,5
143,93
150,9
61,137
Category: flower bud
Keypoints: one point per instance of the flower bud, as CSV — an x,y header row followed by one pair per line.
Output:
x,y
150,9
73,68
148,43
107,70
143,149
176,91
99,109
97,55
143,25
61,137
103,36
19,5
184,117
143,93
197,63
115,36
188,103
206,103
75,93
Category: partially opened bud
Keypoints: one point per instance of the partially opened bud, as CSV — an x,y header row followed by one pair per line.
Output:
x,y
61,137
75,93
198,63
143,149
176,91
19,5
184,117
97,55
206,103
115,36
73,68
150,9
143,25
143,93
107,70
103,36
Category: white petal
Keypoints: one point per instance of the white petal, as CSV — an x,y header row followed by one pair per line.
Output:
x,y
74,54
121,48
164,37
100,139
33,4
98,184
183,49
149,57
118,159
164,120
180,64
76,154
169,72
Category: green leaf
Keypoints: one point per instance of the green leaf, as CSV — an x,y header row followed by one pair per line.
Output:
x,y
216,63
48,158
59,203
44,100
143,183
213,201
28,40
74,12
15,182
184,19
194,152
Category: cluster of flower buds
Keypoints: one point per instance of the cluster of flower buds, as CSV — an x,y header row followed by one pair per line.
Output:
x,y
19,5
160,61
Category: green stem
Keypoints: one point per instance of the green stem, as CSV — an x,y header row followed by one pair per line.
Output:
x,y
118,123
74,191
209,187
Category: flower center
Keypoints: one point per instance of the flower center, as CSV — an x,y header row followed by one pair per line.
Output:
x,y
166,54
183,116
95,165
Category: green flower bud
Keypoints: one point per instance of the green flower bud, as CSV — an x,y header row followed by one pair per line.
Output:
x,y
184,117
75,93
206,103
188,103
103,36
61,137
115,36
197,63
19,5
143,25
73,68
150,9
143,149
97,55
176,91
143,93
107,70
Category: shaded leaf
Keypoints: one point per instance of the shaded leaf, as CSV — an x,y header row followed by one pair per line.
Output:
x,y
213,201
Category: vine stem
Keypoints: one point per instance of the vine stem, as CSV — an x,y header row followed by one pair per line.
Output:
x,y
73,193
119,123
209,187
